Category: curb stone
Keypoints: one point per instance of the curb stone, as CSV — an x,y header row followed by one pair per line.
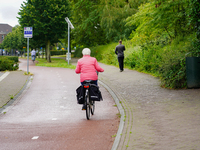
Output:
x,y
121,110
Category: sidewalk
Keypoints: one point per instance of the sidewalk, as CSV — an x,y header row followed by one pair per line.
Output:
x,y
154,118
11,83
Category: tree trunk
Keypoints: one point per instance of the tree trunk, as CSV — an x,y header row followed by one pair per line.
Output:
x,y
48,51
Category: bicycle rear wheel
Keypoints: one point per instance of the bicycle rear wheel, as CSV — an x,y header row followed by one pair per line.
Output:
x,y
92,107
88,108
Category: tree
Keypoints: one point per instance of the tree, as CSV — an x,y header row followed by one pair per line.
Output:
x,y
194,15
14,39
114,15
86,19
160,17
47,17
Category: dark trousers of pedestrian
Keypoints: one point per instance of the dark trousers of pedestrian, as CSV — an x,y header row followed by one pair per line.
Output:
x,y
121,63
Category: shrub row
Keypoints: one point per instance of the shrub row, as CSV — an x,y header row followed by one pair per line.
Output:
x,y
14,58
63,52
8,63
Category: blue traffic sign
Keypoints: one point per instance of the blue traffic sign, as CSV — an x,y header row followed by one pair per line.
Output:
x,y
28,32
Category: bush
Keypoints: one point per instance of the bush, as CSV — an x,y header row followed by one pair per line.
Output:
x,y
173,74
14,58
8,64
110,57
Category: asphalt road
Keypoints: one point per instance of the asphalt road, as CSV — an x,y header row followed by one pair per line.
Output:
x,y
47,117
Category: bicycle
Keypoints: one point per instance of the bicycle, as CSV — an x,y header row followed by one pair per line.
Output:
x,y
90,105
33,58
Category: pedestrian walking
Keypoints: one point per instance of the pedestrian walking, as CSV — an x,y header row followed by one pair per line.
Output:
x,y
33,54
119,51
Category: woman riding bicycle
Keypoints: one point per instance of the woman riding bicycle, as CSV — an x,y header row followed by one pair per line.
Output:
x,y
88,67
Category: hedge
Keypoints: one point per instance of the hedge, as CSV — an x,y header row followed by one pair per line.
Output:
x,y
14,58
8,63
59,52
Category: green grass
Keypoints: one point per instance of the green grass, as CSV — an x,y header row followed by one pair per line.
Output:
x,y
55,62
114,135
11,96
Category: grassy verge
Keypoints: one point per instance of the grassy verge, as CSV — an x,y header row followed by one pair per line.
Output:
x,y
55,62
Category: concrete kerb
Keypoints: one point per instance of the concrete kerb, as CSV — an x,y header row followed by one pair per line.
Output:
x,y
121,110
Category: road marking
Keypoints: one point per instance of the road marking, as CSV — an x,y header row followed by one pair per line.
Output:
x,y
35,137
64,97
4,75
54,118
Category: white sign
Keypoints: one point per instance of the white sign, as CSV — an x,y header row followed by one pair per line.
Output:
x,y
28,32
68,55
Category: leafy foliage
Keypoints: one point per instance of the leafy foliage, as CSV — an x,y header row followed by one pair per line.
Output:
x,y
155,19
14,39
47,18
86,19
102,21
8,63
113,19
78,53
194,15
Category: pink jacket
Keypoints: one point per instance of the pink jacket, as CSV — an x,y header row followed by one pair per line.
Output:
x,y
88,66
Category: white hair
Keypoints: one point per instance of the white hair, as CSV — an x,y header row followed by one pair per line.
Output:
x,y
86,51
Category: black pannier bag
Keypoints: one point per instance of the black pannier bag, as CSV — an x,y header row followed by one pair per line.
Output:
x,y
80,94
95,93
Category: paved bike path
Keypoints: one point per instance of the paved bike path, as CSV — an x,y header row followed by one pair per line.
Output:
x,y
47,116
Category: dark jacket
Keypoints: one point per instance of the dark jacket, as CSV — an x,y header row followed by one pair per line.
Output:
x,y
119,50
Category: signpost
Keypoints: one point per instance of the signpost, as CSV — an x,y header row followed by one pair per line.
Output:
x,y
28,33
72,27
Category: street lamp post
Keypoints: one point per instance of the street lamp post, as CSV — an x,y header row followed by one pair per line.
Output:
x,y
72,27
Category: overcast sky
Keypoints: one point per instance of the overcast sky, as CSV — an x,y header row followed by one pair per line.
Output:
x,y
9,11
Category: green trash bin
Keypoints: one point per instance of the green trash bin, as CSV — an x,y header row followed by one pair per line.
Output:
x,y
193,72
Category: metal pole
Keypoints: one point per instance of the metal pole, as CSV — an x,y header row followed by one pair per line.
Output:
x,y
68,42
27,55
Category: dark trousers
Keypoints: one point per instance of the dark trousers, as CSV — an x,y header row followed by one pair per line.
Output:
x,y
121,63
94,82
